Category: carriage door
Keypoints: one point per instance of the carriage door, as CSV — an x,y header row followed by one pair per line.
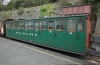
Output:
x,y
60,33
43,32
50,33
71,35
31,27
81,35
36,32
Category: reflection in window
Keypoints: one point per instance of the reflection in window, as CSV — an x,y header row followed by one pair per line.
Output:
x,y
18,25
81,25
60,24
31,25
26,25
12,25
43,25
71,25
15,25
7,25
22,25
36,25
51,25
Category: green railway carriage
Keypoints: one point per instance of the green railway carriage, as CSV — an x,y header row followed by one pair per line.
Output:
x,y
68,33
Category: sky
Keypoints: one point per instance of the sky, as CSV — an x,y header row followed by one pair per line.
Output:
x,y
6,2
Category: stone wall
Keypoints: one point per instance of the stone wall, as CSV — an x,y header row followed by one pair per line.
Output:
x,y
97,29
32,14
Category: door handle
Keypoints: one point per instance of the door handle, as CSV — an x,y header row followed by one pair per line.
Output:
x,y
54,34
77,36
38,33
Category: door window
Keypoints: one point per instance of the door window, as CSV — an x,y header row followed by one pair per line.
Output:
x,y
15,25
51,25
43,25
31,25
7,25
71,25
36,26
60,24
81,25
22,25
26,25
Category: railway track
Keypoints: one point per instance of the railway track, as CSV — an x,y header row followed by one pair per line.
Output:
x,y
93,57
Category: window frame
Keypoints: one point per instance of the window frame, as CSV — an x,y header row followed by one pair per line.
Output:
x,y
26,27
83,25
53,25
73,27
44,28
35,25
23,26
60,20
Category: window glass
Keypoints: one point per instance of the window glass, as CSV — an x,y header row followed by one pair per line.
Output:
x,y
12,25
18,24
81,25
51,25
7,25
43,25
22,25
60,25
71,25
36,25
31,25
15,25
26,25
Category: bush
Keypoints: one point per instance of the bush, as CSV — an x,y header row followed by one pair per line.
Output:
x,y
20,11
28,11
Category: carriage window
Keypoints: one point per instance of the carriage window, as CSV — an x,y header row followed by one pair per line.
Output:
x,y
71,25
12,25
18,24
26,25
43,25
15,25
36,25
51,25
31,25
22,25
81,25
7,25
60,25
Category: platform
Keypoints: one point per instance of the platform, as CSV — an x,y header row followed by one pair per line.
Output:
x,y
18,53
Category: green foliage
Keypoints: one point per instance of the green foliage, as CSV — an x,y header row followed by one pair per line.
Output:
x,y
9,6
46,9
28,11
20,11
64,3
33,10
18,4
68,4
